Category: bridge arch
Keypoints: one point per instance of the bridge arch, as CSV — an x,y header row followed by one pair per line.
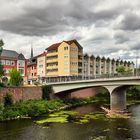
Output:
x,y
116,87
81,92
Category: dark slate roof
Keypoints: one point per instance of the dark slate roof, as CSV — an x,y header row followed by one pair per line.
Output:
x,y
12,54
21,56
9,53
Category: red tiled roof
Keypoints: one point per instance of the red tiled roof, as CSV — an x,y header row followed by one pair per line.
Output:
x,y
53,46
42,54
56,45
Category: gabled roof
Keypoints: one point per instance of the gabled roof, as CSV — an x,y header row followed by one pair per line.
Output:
x,y
9,53
56,45
21,56
12,54
42,54
53,46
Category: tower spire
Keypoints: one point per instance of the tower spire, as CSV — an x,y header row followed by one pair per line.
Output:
x,y
32,52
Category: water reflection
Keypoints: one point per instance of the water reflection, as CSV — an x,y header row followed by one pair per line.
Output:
x,y
114,129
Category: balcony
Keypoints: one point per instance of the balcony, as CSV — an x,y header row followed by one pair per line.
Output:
x,y
80,53
52,54
52,60
52,67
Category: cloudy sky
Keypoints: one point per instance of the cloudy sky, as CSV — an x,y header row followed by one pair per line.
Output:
x,y
109,28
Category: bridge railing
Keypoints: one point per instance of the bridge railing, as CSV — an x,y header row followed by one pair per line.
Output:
x,y
80,78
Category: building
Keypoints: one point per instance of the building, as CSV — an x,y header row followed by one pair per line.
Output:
x,y
65,59
102,67
11,59
41,67
36,68
32,70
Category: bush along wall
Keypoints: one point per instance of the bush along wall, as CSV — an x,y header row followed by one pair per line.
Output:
x,y
47,92
8,100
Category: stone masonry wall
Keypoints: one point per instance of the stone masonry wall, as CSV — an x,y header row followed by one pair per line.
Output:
x,y
21,93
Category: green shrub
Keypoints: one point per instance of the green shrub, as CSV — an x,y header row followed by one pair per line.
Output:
x,y
8,100
9,113
54,104
46,91
1,84
133,93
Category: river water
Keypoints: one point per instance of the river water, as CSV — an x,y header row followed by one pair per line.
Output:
x,y
98,129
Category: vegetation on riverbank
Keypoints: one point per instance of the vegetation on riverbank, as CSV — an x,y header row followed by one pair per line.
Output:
x,y
29,108
34,108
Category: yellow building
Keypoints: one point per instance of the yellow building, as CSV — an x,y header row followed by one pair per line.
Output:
x,y
64,59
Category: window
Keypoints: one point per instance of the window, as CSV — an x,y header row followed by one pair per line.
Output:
x,y
7,62
3,62
74,70
12,63
66,63
74,56
65,48
65,56
74,49
40,66
21,63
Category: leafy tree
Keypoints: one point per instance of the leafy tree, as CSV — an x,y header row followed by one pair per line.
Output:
x,y
1,43
121,70
15,77
1,66
1,71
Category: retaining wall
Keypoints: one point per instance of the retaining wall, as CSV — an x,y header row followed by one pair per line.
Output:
x,y
21,93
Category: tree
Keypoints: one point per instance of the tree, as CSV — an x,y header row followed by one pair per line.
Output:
x,y
1,43
129,71
15,77
121,70
1,70
1,66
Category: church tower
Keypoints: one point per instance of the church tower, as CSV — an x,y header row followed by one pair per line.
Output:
x,y
32,52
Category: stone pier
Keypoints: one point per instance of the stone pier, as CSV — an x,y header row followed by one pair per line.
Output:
x,y
117,98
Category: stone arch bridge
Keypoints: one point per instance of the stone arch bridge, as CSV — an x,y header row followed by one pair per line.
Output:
x,y
116,86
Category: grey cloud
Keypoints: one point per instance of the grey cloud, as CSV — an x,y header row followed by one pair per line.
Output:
x,y
136,46
55,18
130,22
121,38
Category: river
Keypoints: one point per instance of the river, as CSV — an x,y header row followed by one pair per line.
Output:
x,y
98,129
